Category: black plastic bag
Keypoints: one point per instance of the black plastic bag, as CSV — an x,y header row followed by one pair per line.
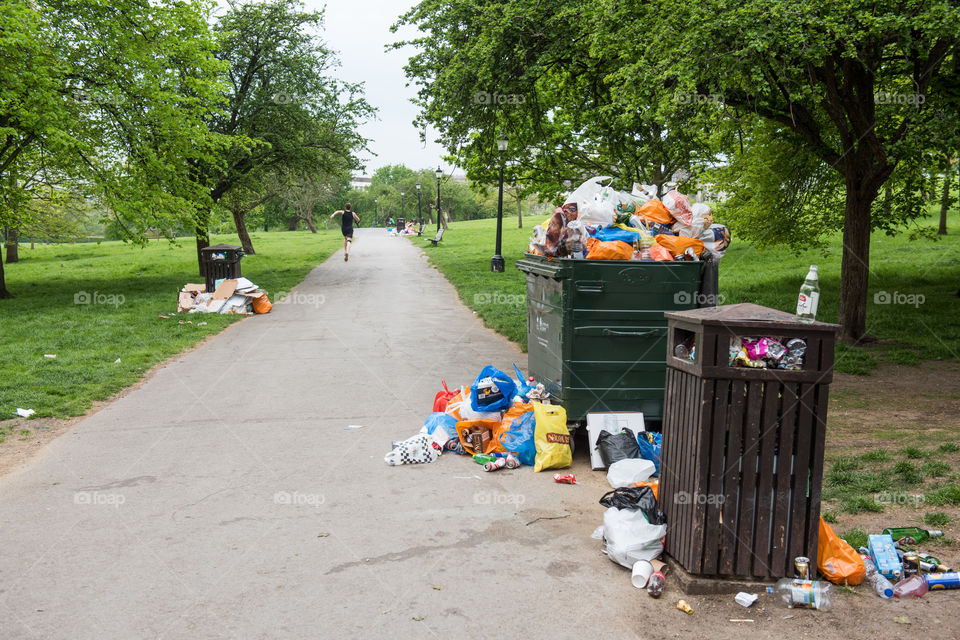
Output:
x,y
617,446
641,498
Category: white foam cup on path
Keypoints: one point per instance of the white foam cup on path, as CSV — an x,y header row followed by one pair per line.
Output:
x,y
642,570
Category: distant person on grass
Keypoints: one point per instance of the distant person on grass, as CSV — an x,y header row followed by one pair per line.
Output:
x,y
346,227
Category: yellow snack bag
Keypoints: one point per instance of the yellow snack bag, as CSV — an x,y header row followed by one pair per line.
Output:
x,y
551,437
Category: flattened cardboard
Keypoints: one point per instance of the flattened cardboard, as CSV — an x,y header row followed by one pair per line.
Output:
x,y
612,423
198,288
184,302
225,290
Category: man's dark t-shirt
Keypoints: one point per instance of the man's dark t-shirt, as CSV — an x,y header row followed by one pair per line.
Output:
x,y
346,223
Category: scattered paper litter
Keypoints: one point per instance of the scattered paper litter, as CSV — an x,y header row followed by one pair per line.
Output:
x,y
163,316
745,599
25,413
117,361
740,620
353,426
49,355
200,324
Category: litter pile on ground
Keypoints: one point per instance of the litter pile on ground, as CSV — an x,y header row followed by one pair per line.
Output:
x,y
231,296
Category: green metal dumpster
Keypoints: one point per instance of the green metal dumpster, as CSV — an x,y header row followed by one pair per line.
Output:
x,y
596,333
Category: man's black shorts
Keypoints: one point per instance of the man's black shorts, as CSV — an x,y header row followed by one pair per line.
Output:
x,y
347,233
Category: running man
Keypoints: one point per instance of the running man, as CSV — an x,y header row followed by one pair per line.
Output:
x,y
346,227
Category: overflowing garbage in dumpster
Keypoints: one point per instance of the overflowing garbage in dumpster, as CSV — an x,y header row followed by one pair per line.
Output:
x,y
600,223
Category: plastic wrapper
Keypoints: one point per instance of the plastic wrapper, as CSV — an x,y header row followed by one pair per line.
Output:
x,y
555,242
660,253
679,207
702,219
678,246
716,238
618,232
655,211
613,250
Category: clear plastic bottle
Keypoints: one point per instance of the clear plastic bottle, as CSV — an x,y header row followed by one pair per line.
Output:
x,y
655,585
881,586
809,298
805,594
915,585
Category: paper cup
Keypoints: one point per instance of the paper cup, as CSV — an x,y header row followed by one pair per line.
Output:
x,y
642,570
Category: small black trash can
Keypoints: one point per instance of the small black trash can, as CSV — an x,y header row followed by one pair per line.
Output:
x,y
220,261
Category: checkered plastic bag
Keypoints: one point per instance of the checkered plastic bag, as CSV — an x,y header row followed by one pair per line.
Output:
x,y
416,450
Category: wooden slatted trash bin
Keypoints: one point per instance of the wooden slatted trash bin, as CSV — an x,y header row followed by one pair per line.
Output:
x,y
742,459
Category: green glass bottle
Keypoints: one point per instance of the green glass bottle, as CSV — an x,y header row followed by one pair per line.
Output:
x,y
915,534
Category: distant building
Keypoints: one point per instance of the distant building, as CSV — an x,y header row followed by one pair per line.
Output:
x,y
360,182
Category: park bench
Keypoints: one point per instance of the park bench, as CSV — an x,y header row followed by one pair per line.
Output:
x,y
435,241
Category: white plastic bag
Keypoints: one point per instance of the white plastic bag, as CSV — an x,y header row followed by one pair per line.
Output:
x,y
627,472
630,537
679,207
416,450
644,192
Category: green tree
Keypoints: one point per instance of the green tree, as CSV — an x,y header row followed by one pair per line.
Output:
x,y
850,87
285,113
111,94
529,69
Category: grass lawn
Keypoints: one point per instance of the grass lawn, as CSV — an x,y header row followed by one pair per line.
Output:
x,y
912,304
134,286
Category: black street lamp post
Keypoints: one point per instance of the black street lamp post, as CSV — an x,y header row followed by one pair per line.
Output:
x,y
419,209
376,212
497,262
439,175
401,206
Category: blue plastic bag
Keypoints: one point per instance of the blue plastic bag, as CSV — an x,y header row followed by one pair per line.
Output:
x,y
519,439
485,399
608,234
522,387
441,421
650,446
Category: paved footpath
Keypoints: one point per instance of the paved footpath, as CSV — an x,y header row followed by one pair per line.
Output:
x,y
225,499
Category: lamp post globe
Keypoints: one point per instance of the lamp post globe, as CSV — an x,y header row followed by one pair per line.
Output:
x,y
401,204
497,263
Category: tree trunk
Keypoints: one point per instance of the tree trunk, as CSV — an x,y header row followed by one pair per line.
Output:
x,y
13,245
292,224
855,263
203,239
4,294
944,198
308,218
519,213
443,219
242,233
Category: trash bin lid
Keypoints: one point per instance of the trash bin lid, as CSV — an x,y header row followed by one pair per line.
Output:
x,y
750,316
222,247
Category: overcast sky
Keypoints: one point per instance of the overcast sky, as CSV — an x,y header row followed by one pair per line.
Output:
x,y
358,31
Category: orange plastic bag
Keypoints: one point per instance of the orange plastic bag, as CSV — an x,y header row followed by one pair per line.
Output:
x,y
487,429
653,484
660,253
612,250
262,304
678,244
655,211
838,561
